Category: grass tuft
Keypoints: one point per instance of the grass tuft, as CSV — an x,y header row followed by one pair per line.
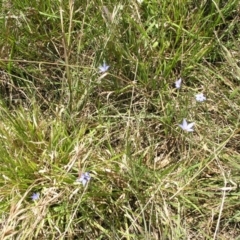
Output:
x,y
61,119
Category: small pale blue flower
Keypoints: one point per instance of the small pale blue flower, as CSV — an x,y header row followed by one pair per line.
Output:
x,y
103,68
200,97
187,126
178,83
35,196
84,178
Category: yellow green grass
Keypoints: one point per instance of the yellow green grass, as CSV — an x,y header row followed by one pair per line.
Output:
x,y
60,117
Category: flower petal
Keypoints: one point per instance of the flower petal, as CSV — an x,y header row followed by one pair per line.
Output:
x,y
190,125
178,83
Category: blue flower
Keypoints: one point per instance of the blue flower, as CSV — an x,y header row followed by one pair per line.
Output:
x,y
186,126
84,178
35,196
178,83
200,97
103,68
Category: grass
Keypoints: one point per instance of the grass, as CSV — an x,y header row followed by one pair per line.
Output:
x,y
59,118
